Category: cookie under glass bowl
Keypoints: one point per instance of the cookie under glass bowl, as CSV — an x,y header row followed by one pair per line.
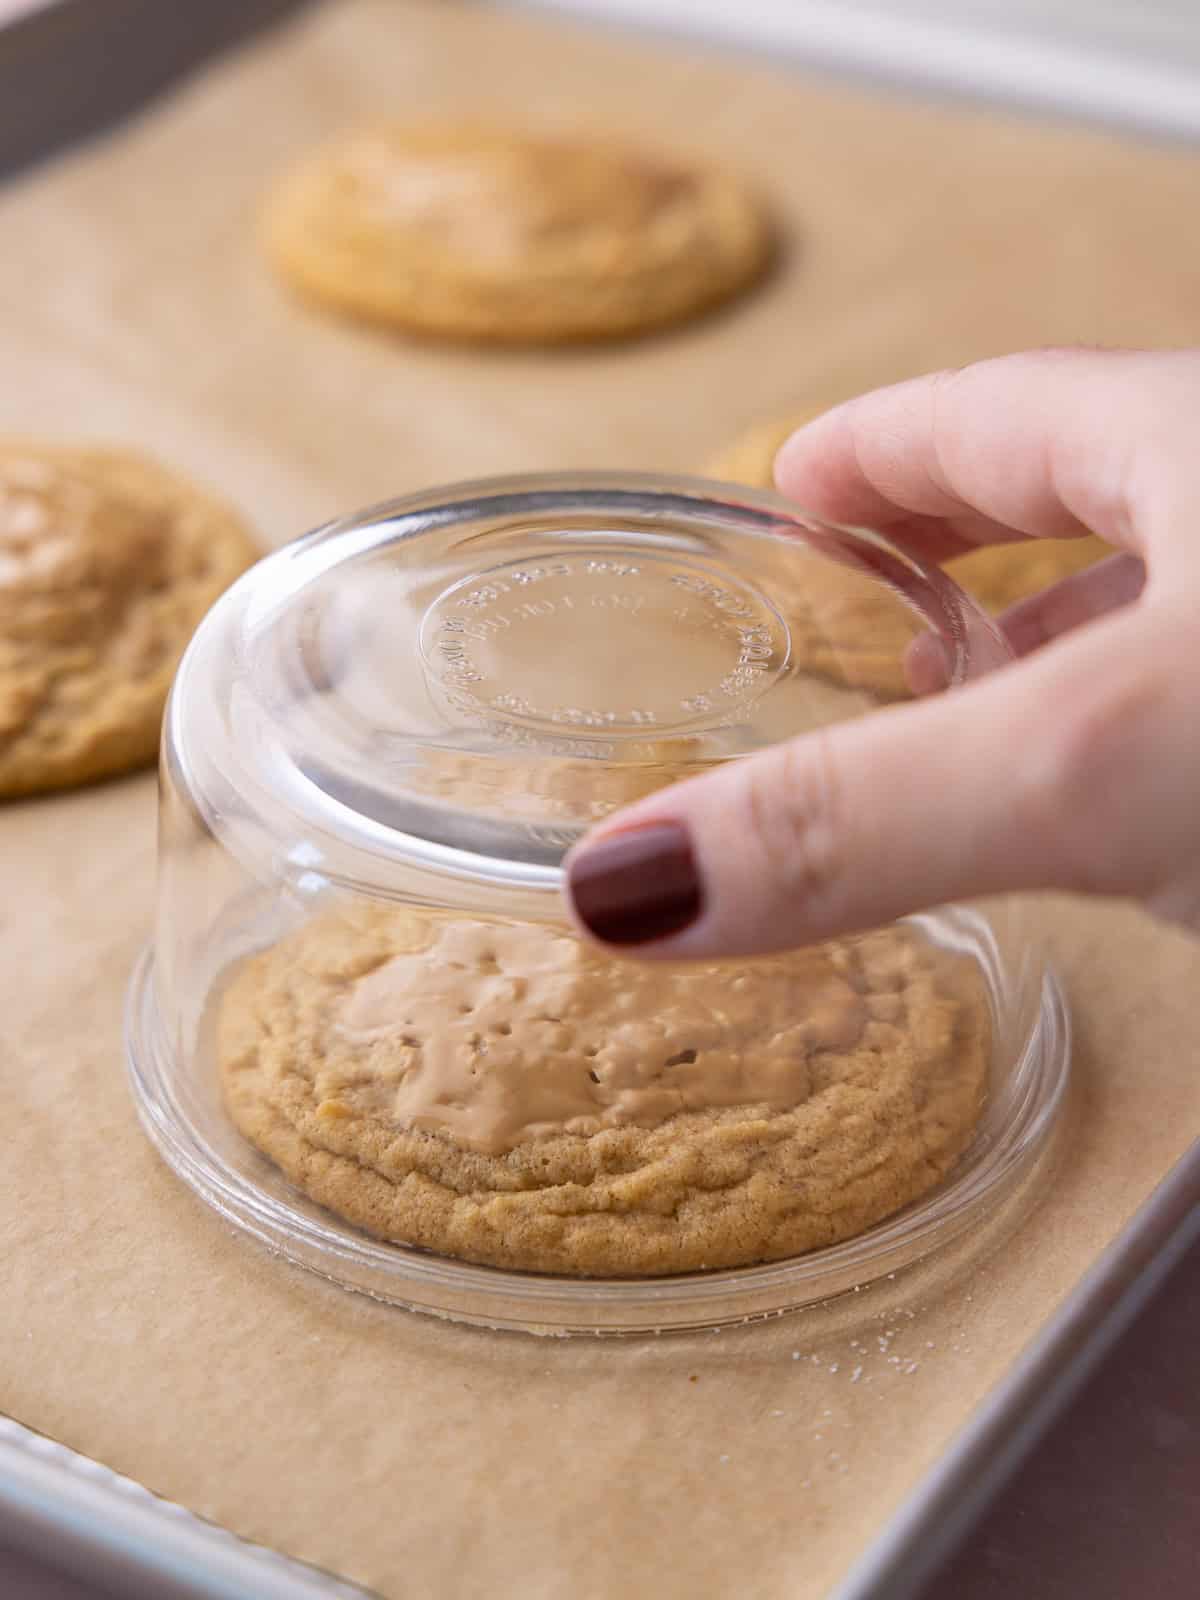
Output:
x,y
364,1031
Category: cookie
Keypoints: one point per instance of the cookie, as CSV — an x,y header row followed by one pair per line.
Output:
x,y
849,630
843,627
493,236
750,459
997,576
107,563
506,1095
550,789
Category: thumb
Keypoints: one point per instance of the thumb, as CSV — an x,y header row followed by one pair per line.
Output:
x,y
1025,779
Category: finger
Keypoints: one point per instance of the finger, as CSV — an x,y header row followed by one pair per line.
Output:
x,y
1027,778
1028,442
941,539
1079,598
927,665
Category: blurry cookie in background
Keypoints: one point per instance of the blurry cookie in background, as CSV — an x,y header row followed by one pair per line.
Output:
x,y
844,627
512,238
750,457
997,576
107,563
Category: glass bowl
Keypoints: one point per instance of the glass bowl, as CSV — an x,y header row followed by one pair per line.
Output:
x,y
413,713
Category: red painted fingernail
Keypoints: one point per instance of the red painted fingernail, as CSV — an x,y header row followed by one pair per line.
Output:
x,y
632,887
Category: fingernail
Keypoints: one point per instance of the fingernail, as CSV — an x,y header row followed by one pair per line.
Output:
x,y
632,887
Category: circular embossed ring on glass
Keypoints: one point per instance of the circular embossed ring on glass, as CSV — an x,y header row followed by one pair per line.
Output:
x,y
364,1031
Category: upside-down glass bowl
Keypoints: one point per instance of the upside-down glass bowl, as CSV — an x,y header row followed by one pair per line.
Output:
x,y
427,704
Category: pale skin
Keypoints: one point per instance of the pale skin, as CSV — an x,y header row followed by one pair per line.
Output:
x,y
1077,767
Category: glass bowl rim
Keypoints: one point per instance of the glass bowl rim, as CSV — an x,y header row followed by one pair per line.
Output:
x,y
493,1297
368,855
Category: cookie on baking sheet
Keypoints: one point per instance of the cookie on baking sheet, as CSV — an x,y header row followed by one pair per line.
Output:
x,y
507,1095
486,235
843,627
107,563
750,458
998,575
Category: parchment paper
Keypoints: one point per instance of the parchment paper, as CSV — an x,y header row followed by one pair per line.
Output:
x,y
421,1458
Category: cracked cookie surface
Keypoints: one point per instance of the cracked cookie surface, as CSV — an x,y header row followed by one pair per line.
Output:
x,y
506,1095
479,234
107,563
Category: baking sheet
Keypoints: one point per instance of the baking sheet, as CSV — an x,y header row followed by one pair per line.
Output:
x,y
408,1455
1101,1379
104,1529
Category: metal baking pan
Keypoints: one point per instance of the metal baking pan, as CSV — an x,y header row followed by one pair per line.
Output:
x,y
1080,1473
72,1516
70,68
1133,65
67,1515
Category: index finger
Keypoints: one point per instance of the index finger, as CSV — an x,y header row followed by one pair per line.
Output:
x,y
1051,443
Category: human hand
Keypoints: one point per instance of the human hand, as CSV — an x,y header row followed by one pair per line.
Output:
x,y
1078,767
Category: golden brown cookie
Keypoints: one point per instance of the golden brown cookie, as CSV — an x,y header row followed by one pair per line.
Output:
x,y
107,563
848,629
483,235
750,459
550,789
509,1096
996,576
843,626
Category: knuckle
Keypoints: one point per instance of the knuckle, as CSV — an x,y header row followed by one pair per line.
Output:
x,y
795,819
